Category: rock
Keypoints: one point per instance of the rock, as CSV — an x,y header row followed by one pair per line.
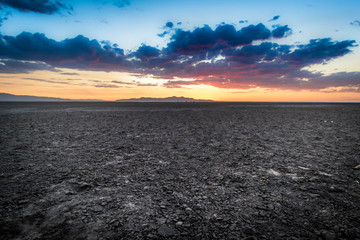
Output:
x,y
25,201
161,221
166,231
248,231
114,223
336,189
326,235
357,167
97,209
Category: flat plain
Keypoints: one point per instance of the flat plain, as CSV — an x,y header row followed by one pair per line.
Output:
x,y
179,171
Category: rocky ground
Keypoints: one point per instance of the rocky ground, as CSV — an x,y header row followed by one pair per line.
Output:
x,y
179,171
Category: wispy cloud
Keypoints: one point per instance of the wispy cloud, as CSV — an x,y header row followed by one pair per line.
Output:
x,y
121,3
45,80
106,86
67,73
18,66
355,23
274,18
122,82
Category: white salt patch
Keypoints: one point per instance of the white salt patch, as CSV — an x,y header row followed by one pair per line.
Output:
x,y
273,172
304,168
238,173
131,205
293,176
163,162
325,174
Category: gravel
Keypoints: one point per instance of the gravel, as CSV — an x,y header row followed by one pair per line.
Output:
x,y
179,171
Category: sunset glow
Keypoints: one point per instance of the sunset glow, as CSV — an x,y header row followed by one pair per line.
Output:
x,y
111,50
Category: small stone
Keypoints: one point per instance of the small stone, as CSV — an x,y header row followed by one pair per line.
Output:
x,y
179,223
166,231
114,223
328,235
357,167
248,231
97,209
68,192
24,201
161,221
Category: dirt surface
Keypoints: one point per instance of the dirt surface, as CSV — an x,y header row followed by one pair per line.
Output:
x,y
179,171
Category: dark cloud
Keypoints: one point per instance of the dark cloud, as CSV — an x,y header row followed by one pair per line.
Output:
x,y
281,31
15,66
343,80
169,25
243,21
205,39
319,50
145,52
79,52
38,6
355,23
275,18
224,57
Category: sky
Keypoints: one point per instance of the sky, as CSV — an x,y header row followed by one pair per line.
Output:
x,y
259,50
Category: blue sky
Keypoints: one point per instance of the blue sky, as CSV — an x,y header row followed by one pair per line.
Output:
x,y
329,29
139,21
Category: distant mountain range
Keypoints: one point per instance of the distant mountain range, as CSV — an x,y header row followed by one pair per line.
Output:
x,y
167,99
6,97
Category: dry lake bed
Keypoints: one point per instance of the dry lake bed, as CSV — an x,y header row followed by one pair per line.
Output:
x,y
179,171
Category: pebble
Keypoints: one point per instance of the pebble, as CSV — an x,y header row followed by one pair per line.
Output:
x,y
326,235
97,209
24,201
161,220
166,231
248,231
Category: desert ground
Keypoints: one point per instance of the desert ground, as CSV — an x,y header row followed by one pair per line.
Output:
x,y
179,171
